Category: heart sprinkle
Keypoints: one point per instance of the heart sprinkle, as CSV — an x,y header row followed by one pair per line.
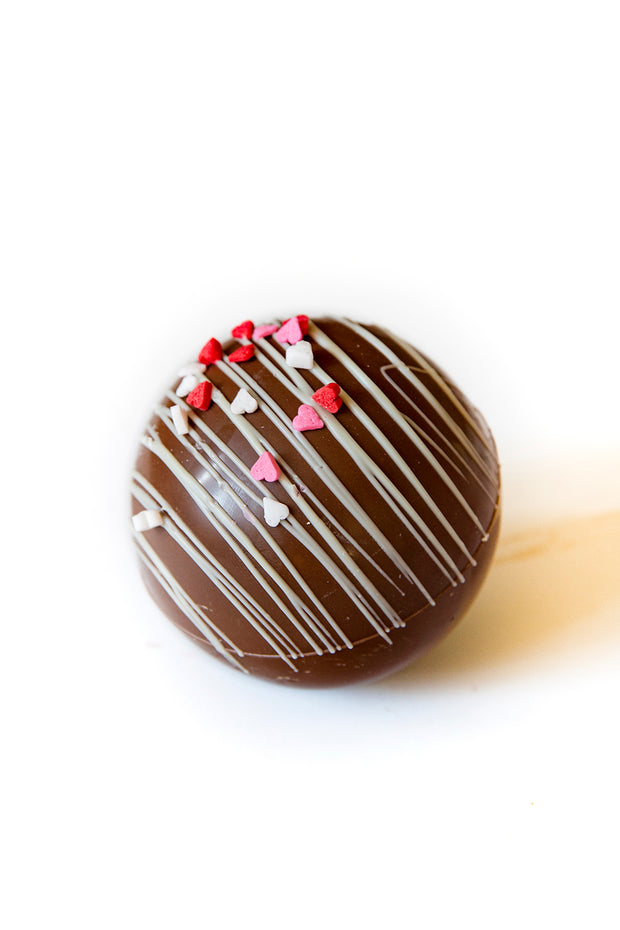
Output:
x,y
192,368
200,397
275,512
244,402
300,355
180,420
211,352
261,331
327,397
290,332
302,319
265,468
242,354
147,519
307,418
187,384
243,330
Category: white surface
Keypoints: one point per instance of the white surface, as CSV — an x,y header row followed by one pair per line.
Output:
x,y
168,170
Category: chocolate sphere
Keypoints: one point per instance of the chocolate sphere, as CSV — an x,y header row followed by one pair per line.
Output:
x,y
315,502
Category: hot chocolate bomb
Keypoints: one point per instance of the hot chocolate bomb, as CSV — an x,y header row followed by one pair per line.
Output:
x,y
315,502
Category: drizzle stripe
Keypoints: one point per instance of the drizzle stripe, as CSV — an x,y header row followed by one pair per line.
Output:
x,y
224,581
388,490
396,416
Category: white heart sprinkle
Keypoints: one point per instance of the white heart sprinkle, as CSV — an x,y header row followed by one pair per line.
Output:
x,y
188,384
180,419
146,520
275,512
244,402
300,355
192,368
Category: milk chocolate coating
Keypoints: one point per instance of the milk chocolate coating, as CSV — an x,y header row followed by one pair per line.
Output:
x,y
394,510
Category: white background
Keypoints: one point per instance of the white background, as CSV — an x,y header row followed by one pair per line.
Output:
x,y
449,169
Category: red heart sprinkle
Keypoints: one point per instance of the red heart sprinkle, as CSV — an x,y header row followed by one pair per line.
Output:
x,y
243,330
290,332
302,319
210,352
327,397
265,468
200,397
307,418
242,354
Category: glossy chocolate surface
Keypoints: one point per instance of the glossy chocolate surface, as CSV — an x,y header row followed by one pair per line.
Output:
x,y
393,510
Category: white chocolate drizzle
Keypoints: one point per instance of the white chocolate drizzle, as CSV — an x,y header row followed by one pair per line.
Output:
x,y
396,415
299,531
223,580
329,477
401,507
226,494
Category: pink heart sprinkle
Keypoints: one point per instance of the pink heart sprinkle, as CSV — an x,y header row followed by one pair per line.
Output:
x,y
307,418
265,468
261,331
291,332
